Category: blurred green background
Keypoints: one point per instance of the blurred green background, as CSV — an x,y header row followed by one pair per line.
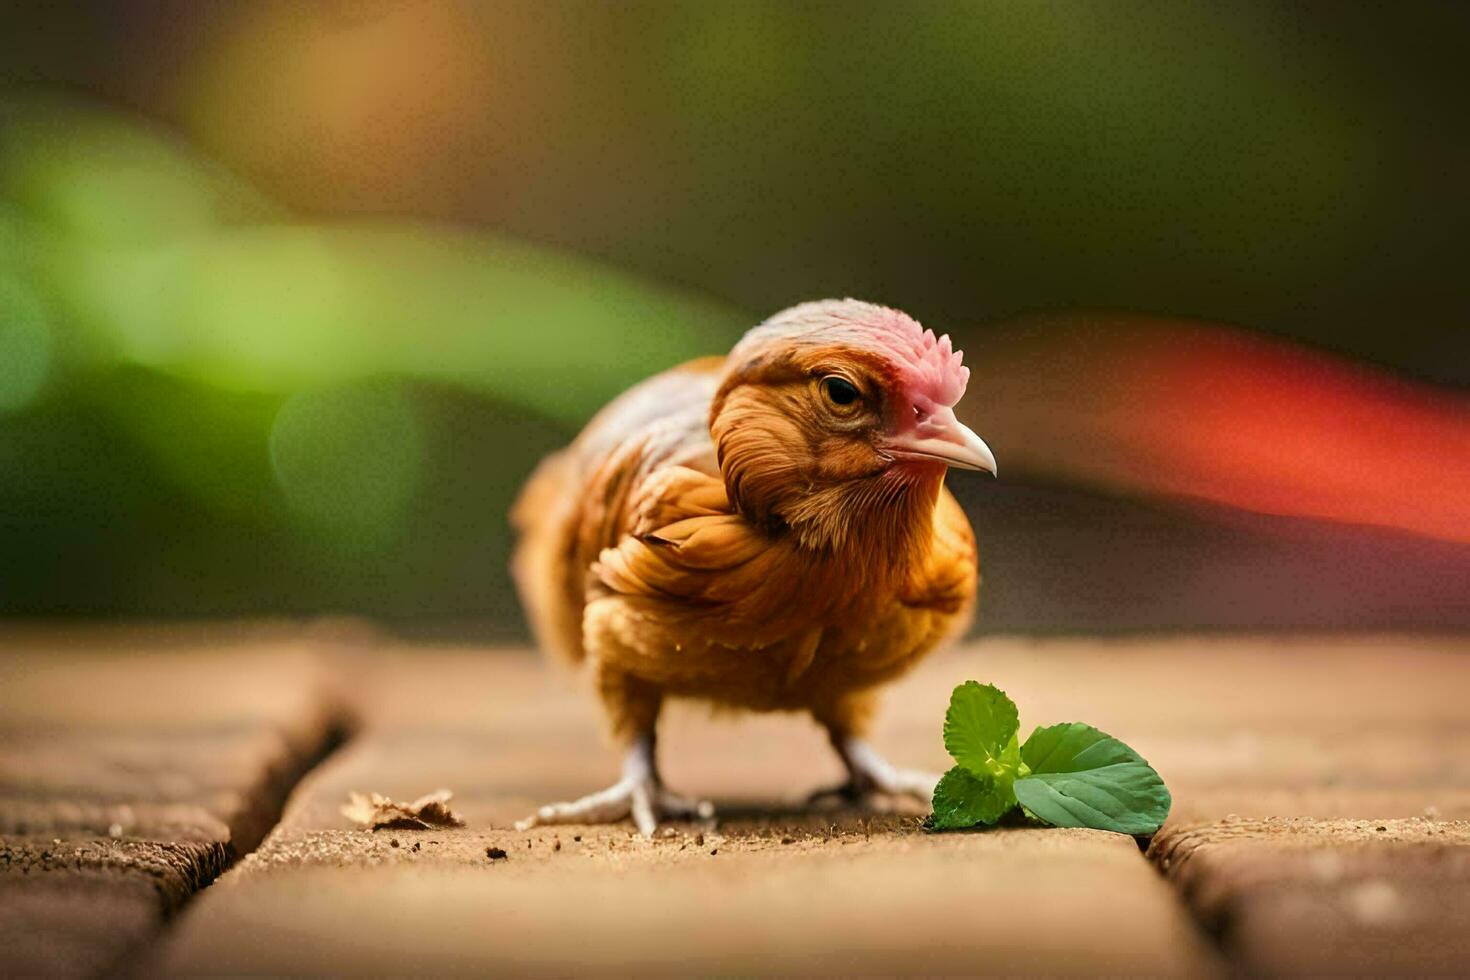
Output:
x,y
293,295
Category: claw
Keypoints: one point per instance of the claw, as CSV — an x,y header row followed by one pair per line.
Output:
x,y
868,773
642,806
677,807
638,794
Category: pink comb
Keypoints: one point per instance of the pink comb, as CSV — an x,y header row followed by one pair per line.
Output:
x,y
929,368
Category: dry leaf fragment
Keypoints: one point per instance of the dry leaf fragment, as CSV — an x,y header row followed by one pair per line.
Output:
x,y
376,811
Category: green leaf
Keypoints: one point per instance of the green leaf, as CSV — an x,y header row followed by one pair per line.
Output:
x,y
1082,777
980,730
963,799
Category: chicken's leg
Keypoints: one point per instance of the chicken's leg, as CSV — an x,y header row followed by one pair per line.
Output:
x,y
868,773
640,792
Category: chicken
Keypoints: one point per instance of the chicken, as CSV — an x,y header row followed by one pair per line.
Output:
x,y
767,531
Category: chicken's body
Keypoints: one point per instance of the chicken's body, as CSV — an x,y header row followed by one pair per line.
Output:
x,y
708,537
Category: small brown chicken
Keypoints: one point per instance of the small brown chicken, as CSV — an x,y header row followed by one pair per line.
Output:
x,y
768,530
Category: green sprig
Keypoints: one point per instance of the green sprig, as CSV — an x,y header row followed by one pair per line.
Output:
x,y
1068,775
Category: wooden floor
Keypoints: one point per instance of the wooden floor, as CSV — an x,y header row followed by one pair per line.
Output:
x,y
1321,822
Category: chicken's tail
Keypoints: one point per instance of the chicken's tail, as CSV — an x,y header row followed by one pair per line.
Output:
x,y
544,563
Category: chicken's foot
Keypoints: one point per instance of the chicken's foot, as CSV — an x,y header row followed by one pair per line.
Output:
x,y
868,773
640,792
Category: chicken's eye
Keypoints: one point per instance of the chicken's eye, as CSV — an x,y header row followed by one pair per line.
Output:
x,y
839,391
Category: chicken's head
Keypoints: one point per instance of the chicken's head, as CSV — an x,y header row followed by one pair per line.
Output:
x,y
843,400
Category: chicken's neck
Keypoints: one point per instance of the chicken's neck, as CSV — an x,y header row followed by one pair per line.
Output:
x,y
883,523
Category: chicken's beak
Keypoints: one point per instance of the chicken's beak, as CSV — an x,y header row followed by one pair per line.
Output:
x,y
943,437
